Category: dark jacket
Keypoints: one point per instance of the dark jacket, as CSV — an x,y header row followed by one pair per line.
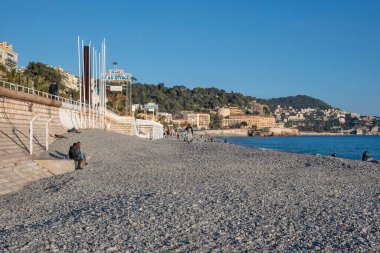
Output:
x,y
366,157
51,87
189,128
55,87
72,152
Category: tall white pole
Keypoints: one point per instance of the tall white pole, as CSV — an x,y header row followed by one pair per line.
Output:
x,y
89,85
79,108
97,86
101,82
93,87
104,81
84,91
101,88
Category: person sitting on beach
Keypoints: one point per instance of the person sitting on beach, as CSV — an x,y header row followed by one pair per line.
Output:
x,y
78,154
72,151
366,157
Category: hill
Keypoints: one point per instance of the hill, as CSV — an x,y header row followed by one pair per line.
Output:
x,y
180,98
297,102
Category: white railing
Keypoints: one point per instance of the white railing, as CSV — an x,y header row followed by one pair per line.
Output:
x,y
32,91
31,134
149,129
157,131
115,116
66,102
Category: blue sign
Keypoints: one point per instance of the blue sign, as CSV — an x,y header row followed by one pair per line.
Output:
x,y
116,75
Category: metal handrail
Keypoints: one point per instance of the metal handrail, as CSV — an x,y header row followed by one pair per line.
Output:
x,y
32,91
114,111
47,133
31,134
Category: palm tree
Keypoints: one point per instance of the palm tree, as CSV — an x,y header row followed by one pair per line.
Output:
x,y
12,76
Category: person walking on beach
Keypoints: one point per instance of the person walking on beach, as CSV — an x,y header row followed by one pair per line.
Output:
x,y
190,133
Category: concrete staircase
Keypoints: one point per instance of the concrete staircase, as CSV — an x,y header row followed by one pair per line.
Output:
x,y
119,124
16,164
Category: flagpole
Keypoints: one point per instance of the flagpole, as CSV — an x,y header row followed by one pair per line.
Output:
x,y
89,86
79,108
105,82
93,87
84,90
101,84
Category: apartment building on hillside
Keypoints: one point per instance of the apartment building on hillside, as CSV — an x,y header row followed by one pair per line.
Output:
x,y
8,57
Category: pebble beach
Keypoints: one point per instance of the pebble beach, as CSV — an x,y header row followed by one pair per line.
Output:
x,y
138,195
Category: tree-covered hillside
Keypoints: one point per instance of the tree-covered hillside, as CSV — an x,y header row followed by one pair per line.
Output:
x,y
180,98
297,102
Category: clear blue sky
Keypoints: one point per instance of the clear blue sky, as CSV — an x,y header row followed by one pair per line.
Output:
x,y
328,49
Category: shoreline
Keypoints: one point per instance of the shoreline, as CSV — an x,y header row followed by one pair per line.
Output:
x,y
244,133
316,145
166,195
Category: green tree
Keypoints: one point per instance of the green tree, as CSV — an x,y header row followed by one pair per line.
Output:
x,y
215,121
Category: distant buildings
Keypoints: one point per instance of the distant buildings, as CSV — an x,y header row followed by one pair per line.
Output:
x,y
165,117
259,109
69,80
198,120
248,121
8,57
233,117
226,111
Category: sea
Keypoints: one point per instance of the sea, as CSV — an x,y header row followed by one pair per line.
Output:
x,y
350,147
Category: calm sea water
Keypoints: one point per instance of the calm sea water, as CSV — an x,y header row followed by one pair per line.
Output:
x,y
350,147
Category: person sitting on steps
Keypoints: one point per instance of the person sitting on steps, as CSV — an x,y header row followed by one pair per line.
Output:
x,y
72,151
79,155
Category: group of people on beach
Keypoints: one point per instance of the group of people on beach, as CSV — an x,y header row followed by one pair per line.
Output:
x,y
365,157
76,154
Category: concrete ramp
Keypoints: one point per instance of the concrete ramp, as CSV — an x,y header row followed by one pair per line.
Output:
x,y
57,167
